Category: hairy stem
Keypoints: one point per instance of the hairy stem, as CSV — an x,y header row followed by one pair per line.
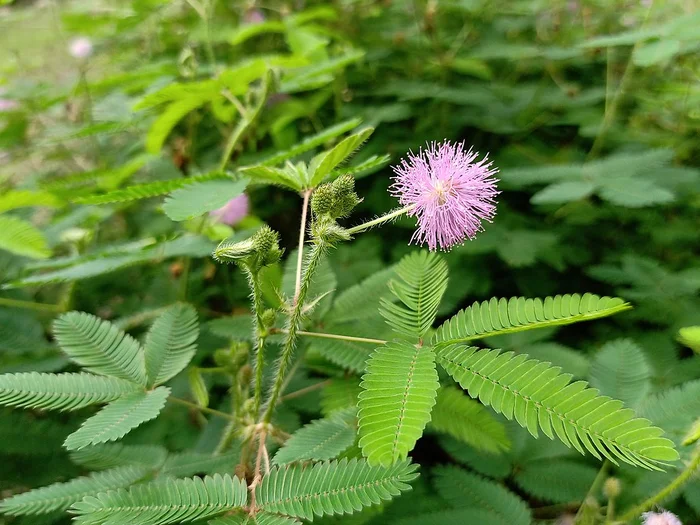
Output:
x,y
314,258
379,220
245,122
305,390
667,491
300,251
259,335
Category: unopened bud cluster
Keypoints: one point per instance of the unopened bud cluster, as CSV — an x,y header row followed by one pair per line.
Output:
x,y
260,250
336,199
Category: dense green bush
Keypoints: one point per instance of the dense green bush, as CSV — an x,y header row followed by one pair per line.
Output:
x,y
125,127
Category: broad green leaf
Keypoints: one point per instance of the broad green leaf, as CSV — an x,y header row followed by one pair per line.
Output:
x,y
563,192
21,238
197,199
14,199
652,53
267,174
167,120
633,193
322,165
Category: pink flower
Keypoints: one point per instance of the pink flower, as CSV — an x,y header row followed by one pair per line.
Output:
x,y
660,518
233,211
254,16
80,48
449,191
7,104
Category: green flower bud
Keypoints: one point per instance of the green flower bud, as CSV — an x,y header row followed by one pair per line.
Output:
x,y
612,488
322,200
268,318
259,250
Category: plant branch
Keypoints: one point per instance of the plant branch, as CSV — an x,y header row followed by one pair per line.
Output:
x,y
379,220
259,336
340,337
31,305
314,259
300,251
207,410
304,391
595,487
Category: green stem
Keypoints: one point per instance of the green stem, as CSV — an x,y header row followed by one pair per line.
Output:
x,y
595,487
314,258
260,333
339,337
379,220
300,250
665,492
245,122
207,410
31,305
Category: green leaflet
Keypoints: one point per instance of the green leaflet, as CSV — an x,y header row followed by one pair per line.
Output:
x,y
559,481
621,371
111,455
260,518
61,391
100,347
21,238
465,490
171,343
320,440
399,390
467,420
539,396
163,502
60,496
419,286
118,418
335,487
501,316
322,165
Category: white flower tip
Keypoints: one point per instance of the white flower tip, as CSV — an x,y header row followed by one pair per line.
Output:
x,y
80,47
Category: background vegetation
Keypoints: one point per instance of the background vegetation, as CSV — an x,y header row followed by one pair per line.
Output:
x,y
589,108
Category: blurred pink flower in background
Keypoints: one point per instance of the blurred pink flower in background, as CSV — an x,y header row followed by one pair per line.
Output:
x,y
233,211
80,48
7,104
254,16
660,518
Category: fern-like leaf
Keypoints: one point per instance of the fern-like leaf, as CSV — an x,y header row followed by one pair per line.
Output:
x,y
197,199
621,371
420,284
111,455
399,390
322,439
501,316
558,481
335,487
322,165
347,354
147,190
61,391
361,300
118,418
171,343
260,518
163,502
339,395
195,463
60,496
462,489
100,347
539,395
467,420
21,238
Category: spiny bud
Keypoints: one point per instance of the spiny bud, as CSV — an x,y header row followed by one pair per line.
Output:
x,y
268,317
322,200
259,250
336,199
612,488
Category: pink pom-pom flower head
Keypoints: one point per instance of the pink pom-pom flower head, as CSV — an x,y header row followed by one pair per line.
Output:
x,y
660,518
449,191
